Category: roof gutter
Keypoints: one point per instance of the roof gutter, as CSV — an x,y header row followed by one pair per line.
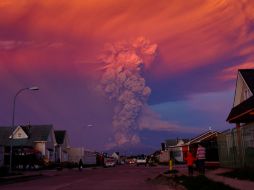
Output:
x,y
246,112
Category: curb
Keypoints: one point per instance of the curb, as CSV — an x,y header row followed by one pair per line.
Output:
x,y
18,178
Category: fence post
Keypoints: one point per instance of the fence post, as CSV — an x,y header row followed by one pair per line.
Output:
x,y
239,141
234,151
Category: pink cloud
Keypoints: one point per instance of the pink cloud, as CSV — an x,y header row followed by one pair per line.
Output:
x,y
48,41
189,34
230,73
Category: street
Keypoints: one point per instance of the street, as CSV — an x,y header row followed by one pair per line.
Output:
x,y
116,178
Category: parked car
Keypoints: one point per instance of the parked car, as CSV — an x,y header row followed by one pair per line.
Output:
x,y
131,161
122,162
141,160
109,162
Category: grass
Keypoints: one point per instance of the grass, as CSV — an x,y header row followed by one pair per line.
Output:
x,y
243,174
171,172
190,183
200,182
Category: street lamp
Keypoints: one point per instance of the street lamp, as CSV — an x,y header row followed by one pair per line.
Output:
x,y
13,118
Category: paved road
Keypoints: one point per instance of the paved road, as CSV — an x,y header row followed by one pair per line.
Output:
x,y
117,178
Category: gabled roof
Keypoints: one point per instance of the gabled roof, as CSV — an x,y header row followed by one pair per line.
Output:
x,y
248,76
170,142
60,135
19,133
243,112
34,133
204,136
38,132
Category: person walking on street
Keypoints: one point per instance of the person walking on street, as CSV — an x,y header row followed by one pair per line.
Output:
x,y
190,161
201,156
80,164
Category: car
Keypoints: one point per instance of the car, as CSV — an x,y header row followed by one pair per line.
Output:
x,y
110,162
122,162
130,161
141,160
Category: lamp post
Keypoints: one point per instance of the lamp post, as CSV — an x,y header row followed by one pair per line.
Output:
x,y
13,119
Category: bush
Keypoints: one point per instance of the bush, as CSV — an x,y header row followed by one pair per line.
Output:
x,y
4,170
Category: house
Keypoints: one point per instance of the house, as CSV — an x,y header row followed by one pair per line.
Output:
x,y
4,145
1,156
63,144
208,140
173,149
27,141
116,156
90,157
177,149
163,157
243,105
236,146
75,154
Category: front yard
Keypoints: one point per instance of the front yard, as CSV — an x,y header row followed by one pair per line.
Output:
x,y
185,182
242,174
200,182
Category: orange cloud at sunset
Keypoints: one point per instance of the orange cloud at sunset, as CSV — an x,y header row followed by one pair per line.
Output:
x,y
198,47
230,72
189,34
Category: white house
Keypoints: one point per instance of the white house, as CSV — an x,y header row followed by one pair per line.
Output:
x,y
26,140
63,144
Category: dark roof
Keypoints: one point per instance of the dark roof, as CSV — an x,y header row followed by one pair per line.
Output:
x,y
60,135
173,142
170,142
38,132
248,76
241,113
34,132
185,140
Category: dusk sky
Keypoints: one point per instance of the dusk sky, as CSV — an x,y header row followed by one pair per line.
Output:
x,y
195,48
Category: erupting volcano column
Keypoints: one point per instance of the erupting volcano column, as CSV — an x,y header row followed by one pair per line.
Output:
x,y
123,83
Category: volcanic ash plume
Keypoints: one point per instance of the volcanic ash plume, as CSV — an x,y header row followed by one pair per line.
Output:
x,y
123,83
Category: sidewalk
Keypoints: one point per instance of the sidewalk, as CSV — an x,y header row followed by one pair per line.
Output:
x,y
214,175
28,175
235,183
17,178
32,174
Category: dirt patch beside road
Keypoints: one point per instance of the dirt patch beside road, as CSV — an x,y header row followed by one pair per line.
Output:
x,y
165,180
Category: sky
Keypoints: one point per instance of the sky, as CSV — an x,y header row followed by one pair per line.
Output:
x,y
57,45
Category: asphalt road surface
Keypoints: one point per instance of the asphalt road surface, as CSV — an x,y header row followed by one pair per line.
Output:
x,y
116,178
